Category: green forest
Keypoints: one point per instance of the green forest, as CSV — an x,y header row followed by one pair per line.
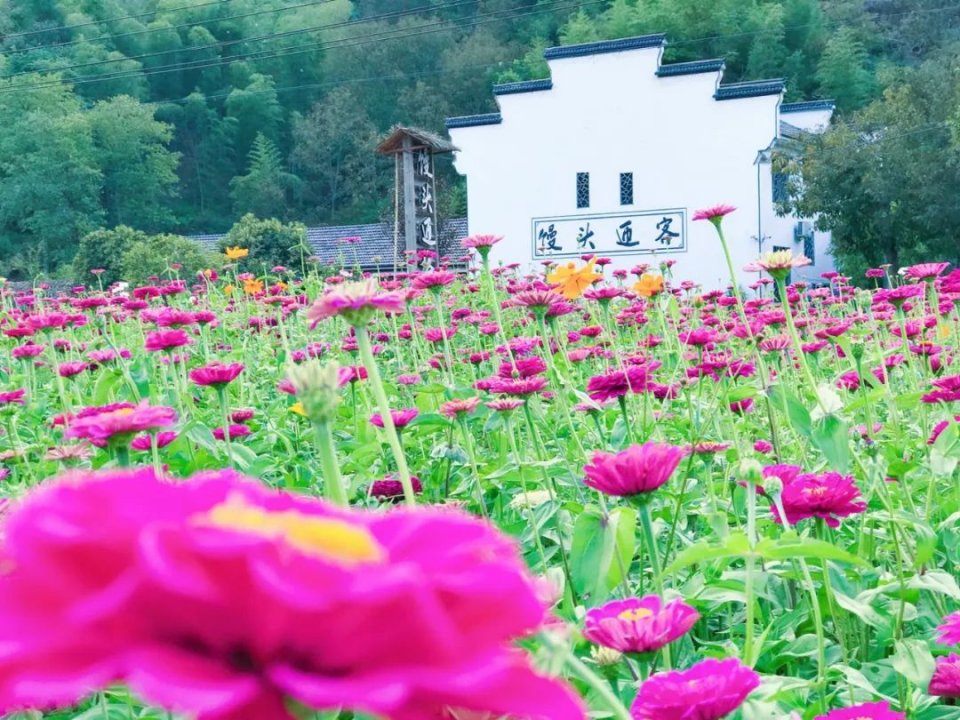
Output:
x,y
182,116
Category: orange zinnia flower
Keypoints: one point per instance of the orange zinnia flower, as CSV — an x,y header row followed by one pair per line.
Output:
x,y
571,281
649,285
252,287
236,253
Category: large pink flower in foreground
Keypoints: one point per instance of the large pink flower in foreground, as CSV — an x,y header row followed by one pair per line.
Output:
x,y
637,470
946,677
710,690
949,630
221,599
639,625
828,496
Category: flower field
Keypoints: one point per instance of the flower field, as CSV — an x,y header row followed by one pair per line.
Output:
x,y
467,492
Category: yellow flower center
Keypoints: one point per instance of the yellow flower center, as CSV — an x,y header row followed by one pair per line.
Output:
x,y
818,491
323,537
635,614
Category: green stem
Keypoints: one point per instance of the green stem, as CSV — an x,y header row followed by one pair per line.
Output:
x,y
380,395
332,480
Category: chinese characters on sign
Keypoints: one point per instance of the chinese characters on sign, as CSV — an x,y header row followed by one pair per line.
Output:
x,y
425,206
634,233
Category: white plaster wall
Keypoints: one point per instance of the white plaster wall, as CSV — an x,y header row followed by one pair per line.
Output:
x,y
607,114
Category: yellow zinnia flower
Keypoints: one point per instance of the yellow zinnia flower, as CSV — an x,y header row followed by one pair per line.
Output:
x,y
228,289
572,281
236,253
298,408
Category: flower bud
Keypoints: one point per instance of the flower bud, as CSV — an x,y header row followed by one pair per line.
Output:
x,y
750,471
317,387
604,656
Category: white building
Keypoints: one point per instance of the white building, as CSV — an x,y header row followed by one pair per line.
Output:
x,y
614,153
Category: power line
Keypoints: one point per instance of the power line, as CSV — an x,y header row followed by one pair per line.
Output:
x,y
401,33
62,28
149,31
256,38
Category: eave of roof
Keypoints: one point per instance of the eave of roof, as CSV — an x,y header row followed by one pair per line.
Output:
x,y
605,46
473,120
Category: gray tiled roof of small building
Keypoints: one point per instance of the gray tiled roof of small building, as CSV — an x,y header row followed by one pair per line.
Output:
x,y
376,241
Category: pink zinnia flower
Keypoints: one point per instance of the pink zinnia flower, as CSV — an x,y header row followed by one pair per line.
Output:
x,y
12,397
112,423
710,690
946,677
356,302
778,263
142,443
163,340
478,242
864,711
456,408
616,384
401,418
391,490
71,369
925,271
216,374
433,280
637,470
639,625
827,496
714,214
949,631
517,387
216,597
236,431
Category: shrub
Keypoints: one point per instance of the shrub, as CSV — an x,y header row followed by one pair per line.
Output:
x,y
105,249
270,242
154,256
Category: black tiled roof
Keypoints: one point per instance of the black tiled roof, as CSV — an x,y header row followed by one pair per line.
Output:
x,y
605,46
473,120
753,88
807,105
690,68
522,87
375,246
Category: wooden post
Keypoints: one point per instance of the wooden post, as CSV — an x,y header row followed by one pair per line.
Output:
x,y
396,214
409,196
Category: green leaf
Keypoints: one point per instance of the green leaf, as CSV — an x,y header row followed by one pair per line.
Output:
x,y
597,542
913,660
734,546
624,521
945,453
103,390
790,545
832,436
796,412
936,581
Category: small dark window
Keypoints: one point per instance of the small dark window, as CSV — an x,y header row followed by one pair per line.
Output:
x,y
626,188
780,188
583,190
809,248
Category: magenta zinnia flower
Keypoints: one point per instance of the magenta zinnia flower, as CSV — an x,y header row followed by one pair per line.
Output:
x,y
476,242
946,677
162,340
13,397
616,384
356,302
710,690
637,470
401,418
433,280
949,631
121,423
216,374
638,625
216,597
828,496
143,443
864,711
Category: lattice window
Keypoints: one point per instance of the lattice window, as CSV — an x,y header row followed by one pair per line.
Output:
x,y
780,187
626,188
583,190
809,247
